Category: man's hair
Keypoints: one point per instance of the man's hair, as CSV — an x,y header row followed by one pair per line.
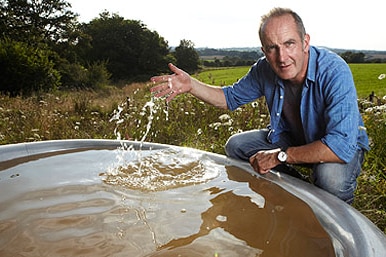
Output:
x,y
278,12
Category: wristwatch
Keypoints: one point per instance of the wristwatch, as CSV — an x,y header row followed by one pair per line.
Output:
x,y
282,156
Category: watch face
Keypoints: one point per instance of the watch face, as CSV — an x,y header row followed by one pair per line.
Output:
x,y
282,156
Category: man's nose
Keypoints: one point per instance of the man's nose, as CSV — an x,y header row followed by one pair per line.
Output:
x,y
281,54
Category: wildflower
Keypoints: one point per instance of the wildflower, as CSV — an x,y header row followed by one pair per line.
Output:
x,y
255,104
382,76
370,109
228,123
215,125
199,131
224,117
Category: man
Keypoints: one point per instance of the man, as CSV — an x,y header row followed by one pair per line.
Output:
x,y
312,101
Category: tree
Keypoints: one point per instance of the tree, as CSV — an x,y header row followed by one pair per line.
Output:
x,y
186,56
130,49
37,21
353,57
25,69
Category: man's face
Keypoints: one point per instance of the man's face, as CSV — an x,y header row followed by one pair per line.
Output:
x,y
286,52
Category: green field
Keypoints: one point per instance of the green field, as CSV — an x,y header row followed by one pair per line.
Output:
x,y
223,76
365,77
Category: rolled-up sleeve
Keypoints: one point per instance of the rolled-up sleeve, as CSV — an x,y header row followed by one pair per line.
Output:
x,y
341,114
246,90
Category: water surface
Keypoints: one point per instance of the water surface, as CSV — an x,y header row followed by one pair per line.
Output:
x,y
154,203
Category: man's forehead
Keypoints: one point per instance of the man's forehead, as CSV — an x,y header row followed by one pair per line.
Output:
x,y
276,22
280,29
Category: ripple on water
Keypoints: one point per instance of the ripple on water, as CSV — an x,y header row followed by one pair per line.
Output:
x,y
162,170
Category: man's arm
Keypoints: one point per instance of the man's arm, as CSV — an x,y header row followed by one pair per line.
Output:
x,y
315,152
180,82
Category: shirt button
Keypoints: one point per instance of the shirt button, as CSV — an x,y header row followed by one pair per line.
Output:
x,y
277,114
281,97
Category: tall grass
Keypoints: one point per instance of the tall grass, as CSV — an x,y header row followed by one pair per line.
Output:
x,y
185,121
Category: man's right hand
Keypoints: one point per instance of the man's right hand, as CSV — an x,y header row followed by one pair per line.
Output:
x,y
170,86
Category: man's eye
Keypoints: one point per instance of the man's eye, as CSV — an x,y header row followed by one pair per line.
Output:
x,y
289,44
271,48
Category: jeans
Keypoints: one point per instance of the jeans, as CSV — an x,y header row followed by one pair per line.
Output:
x,y
339,179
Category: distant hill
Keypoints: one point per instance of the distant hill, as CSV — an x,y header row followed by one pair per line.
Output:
x,y
369,54
255,53
241,52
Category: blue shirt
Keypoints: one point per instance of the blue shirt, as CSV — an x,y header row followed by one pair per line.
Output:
x,y
328,108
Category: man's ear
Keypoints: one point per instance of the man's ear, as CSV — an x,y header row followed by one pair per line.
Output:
x,y
306,42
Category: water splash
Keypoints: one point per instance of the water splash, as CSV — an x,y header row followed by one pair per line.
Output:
x,y
149,110
118,120
164,169
155,170
149,105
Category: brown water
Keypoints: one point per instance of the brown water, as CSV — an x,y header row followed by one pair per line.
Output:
x,y
171,203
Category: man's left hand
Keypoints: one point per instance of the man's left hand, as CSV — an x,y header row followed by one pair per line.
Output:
x,y
263,161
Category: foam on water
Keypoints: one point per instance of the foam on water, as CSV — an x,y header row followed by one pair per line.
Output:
x,y
163,170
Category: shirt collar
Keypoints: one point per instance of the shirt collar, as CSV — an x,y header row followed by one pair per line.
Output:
x,y
311,69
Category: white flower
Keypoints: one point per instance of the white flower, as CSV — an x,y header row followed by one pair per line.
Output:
x,y
370,109
215,125
228,123
382,76
224,117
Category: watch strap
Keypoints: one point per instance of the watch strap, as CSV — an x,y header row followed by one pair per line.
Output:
x,y
284,149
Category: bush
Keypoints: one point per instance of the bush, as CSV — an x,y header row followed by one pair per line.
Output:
x,y
97,75
25,69
74,75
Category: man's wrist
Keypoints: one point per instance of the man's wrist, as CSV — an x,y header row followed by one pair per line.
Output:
x,y
282,156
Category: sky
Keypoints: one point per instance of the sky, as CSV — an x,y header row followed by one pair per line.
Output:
x,y
346,24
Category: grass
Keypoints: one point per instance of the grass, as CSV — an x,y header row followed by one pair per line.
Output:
x,y
366,78
186,122
224,76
